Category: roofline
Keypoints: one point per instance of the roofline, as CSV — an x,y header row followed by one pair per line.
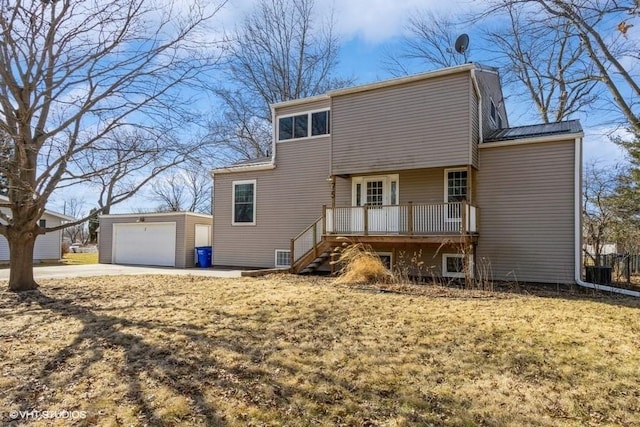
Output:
x,y
46,211
155,214
298,101
532,140
244,168
408,79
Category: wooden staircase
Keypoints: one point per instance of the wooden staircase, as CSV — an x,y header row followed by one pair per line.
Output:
x,y
314,259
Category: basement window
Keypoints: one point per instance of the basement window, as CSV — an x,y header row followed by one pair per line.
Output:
x,y
453,265
283,258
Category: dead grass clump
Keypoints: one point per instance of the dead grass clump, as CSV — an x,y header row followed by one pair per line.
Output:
x,y
361,265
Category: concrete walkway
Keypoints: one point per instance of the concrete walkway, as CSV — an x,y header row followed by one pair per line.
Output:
x,y
70,271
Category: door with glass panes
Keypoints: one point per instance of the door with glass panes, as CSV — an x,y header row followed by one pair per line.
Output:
x,y
380,195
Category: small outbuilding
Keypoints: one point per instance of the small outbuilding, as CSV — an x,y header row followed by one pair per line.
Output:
x,y
48,246
165,239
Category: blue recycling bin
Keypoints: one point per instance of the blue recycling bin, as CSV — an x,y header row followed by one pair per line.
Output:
x,y
204,256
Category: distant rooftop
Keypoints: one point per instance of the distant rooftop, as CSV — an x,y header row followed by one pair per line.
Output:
x,y
545,129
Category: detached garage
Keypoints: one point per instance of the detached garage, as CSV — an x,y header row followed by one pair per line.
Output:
x,y
162,239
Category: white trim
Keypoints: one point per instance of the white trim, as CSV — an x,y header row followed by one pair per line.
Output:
x,y
309,113
446,273
299,101
275,262
408,79
233,201
155,214
533,140
386,188
474,79
446,193
244,168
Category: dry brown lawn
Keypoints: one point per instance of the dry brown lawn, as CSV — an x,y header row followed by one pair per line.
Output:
x,y
282,350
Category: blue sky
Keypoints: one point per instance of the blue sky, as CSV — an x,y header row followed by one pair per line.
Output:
x,y
368,28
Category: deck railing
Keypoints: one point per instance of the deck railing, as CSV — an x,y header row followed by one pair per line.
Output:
x,y
411,219
306,241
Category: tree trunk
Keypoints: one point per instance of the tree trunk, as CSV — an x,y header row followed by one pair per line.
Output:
x,y
21,261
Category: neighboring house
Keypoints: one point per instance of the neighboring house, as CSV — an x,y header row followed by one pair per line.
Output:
x,y
423,168
164,239
48,246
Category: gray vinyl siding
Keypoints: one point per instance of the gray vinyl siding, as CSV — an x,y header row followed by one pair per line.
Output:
x,y
416,186
526,199
185,234
286,110
413,125
288,199
490,89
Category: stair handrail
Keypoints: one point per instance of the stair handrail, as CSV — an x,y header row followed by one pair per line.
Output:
x,y
313,226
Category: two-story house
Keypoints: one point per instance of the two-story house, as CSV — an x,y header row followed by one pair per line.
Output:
x,y
421,168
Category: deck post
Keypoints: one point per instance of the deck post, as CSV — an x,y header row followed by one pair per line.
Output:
x,y
366,220
324,219
291,259
315,239
463,219
410,219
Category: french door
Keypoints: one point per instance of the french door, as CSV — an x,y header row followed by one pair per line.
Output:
x,y
380,195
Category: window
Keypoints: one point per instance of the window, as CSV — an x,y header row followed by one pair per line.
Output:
x,y
285,128
320,123
375,193
376,190
386,258
455,191
244,202
453,265
42,223
303,125
283,258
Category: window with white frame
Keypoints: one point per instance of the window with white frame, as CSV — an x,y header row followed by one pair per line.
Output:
x,y
455,191
453,265
305,125
244,202
283,258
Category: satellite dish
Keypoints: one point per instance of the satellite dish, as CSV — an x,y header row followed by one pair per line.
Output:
x,y
462,43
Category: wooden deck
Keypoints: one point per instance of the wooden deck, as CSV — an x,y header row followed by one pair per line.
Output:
x,y
397,225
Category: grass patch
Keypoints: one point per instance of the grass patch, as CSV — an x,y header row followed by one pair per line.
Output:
x,y
80,258
163,350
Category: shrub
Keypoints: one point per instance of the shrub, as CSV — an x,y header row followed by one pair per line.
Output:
x,y
360,265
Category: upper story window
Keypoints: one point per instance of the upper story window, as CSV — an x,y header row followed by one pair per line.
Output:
x,y
304,125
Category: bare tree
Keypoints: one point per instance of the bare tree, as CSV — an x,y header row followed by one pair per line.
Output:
x,y
5,157
279,53
74,207
599,216
429,42
186,190
72,74
602,28
547,60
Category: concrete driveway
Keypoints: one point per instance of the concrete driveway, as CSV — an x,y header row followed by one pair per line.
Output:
x,y
70,271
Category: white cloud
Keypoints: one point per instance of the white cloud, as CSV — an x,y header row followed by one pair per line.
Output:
x,y
378,20
599,148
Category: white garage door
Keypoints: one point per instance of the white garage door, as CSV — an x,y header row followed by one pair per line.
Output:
x,y
150,243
